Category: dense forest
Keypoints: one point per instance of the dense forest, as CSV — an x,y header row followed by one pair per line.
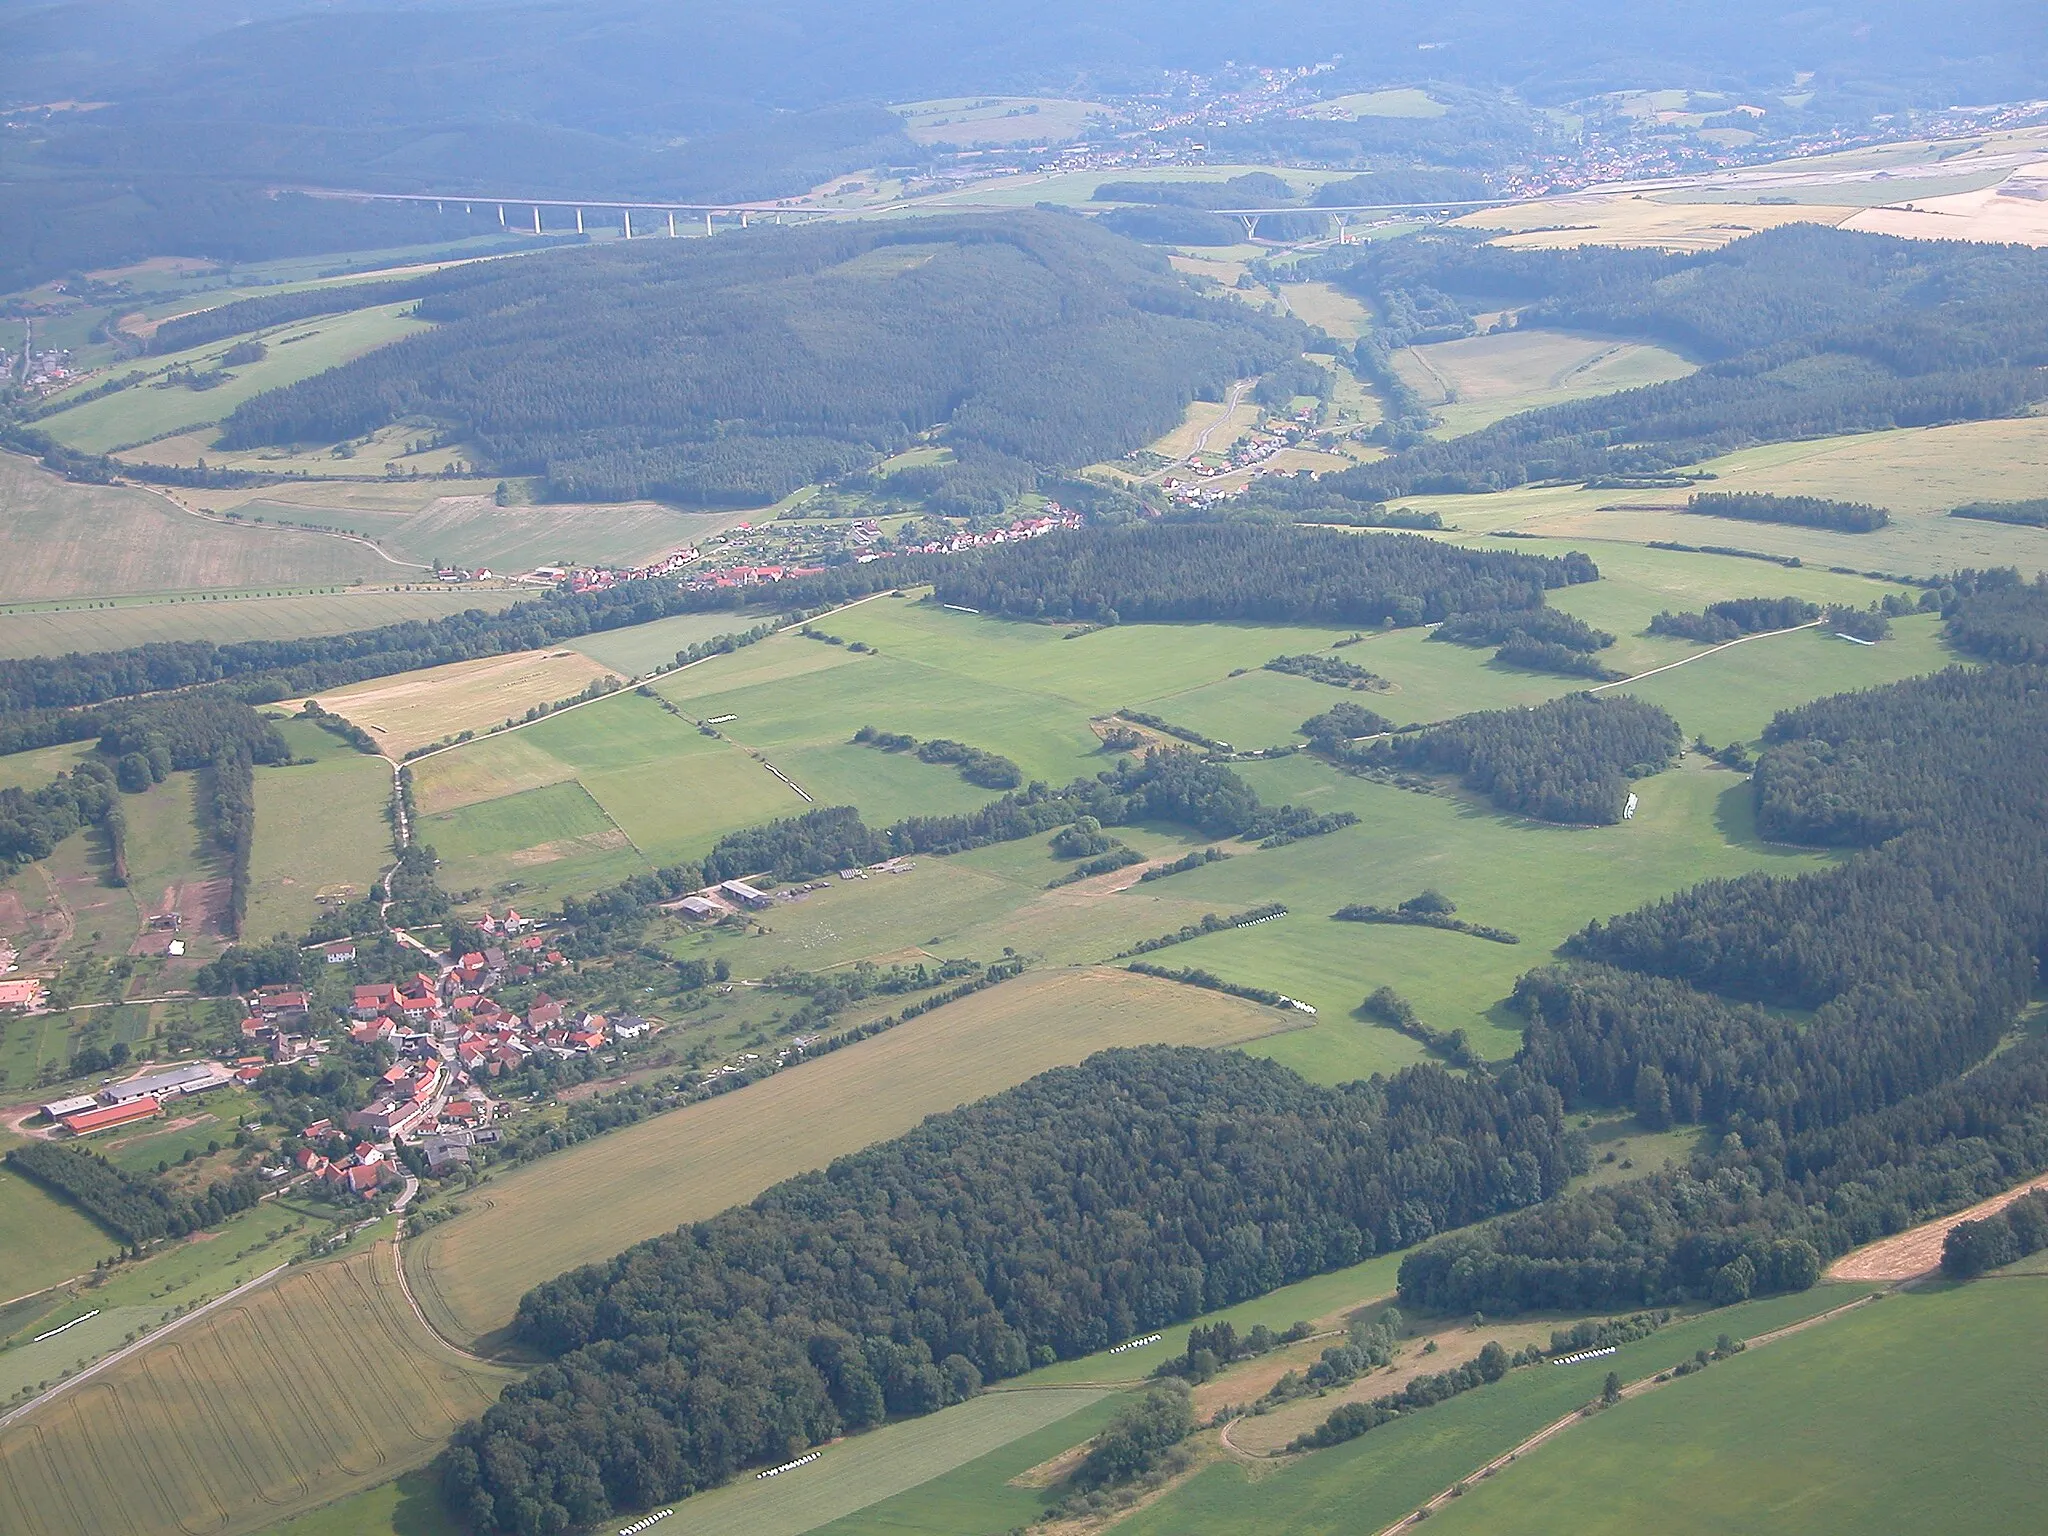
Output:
x,y
1803,332
730,372
1567,760
1139,1189
2032,513
1169,571
2000,618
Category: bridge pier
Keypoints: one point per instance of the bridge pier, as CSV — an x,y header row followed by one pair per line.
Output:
x,y
501,215
671,223
626,222
536,218
579,221
743,218
707,221
1251,225
1342,220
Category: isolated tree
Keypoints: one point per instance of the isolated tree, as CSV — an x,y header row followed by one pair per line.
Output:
x,y
1610,1392
1653,1099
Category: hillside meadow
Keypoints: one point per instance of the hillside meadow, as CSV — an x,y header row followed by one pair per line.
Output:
x,y
61,540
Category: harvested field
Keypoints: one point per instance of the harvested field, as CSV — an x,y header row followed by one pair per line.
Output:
x,y
589,1202
1560,223
1917,1251
63,540
2012,212
416,708
308,1389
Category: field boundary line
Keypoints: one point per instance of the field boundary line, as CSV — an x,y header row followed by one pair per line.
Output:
x,y
1623,682
630,682
419,1313
1635,1388
317,533
142,1343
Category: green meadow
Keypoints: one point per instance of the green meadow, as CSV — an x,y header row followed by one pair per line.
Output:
x,y
147,410
1373,1481
593,794
1923,1412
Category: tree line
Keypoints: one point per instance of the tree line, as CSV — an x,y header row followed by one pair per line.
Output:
x,y
1804,511
1240,570
135,1208
1080,1208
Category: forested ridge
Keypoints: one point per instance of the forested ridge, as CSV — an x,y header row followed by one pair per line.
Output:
x,y
732,371
1139,1189
1804,332
1193,570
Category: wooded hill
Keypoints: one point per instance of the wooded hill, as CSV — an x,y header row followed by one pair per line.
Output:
x,y
732,371
1803,332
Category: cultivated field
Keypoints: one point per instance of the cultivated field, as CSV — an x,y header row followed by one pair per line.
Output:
x,y
320,830
1404,101
61,540
1371,1482
60,628
1625,219
415,708
1917,473
1330,307
463,523
1921,1413
311,1388
146,411
1479,380
996,119
895,1460
505,810
587,1203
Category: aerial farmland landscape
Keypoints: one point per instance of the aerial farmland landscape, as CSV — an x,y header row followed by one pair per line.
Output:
x,y
887,770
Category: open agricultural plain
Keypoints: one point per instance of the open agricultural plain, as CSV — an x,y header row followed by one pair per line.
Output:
x,y
299,1392
779,1034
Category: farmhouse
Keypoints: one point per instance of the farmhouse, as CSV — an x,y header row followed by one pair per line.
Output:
x,y
743,893
24,992
340,952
